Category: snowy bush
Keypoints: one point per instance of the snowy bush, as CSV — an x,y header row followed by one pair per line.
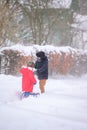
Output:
x,y
62,61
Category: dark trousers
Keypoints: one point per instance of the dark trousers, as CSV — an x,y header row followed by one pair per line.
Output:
x,y
25,94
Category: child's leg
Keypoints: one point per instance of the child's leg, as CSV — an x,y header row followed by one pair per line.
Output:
x,y
42,85
26,94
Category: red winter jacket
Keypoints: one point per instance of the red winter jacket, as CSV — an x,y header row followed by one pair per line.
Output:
x,y
28,79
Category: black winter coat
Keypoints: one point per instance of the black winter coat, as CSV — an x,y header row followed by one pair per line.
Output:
x,y
42,68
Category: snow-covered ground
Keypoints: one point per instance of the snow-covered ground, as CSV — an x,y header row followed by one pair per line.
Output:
x,y
62,107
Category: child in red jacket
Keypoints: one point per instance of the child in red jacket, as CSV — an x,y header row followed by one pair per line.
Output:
x,y
28,79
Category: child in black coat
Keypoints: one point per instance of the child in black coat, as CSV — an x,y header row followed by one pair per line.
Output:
x,y
42,69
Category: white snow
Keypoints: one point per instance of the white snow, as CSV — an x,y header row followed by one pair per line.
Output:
x,y
31,50
62,107
60,4
80,22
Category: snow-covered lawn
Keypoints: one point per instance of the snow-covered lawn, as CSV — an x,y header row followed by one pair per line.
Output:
x,y
62,107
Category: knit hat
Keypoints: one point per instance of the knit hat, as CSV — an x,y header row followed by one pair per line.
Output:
x,y
30,64
40,54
